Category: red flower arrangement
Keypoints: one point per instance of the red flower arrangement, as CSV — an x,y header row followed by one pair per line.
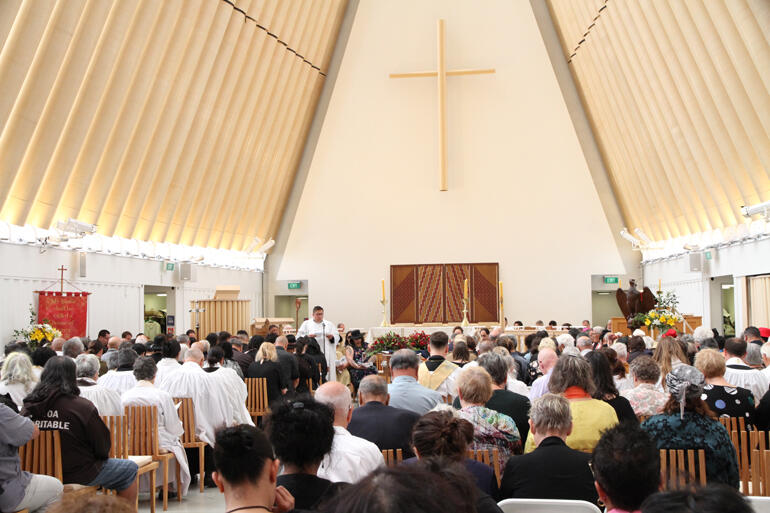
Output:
x,y
391,342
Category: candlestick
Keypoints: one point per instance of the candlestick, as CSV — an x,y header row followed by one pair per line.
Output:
x,y
465,322
384,323
383,289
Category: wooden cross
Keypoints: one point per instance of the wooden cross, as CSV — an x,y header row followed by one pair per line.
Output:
x,y
62,269
442,73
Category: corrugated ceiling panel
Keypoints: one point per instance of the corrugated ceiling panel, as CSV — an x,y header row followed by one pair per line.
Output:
x,y
172,121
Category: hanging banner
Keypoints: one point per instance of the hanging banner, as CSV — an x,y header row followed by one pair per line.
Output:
x,y
65,311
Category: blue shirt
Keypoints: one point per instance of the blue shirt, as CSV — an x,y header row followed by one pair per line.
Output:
x,y
405,392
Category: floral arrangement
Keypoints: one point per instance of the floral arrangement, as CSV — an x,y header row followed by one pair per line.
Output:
x,y
664,316
36,333
418,341
391,341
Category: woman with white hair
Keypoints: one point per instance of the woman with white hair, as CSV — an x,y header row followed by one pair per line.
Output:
x,y
107,401
17,378
513,384
170,428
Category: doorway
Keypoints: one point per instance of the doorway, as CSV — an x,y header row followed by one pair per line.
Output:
x,y
285,307
604,306
159,315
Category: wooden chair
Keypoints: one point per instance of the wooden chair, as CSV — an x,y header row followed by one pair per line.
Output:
x,y
392,457
42,455
143,441
256,401
492,460
680,468
189,440
733,423
118,426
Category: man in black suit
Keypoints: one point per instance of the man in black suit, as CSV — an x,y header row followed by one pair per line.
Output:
x,y
383,425
553,470
289,366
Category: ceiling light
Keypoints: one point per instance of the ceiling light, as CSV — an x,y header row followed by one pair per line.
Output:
x,y
74,226
266,246
635,243
760,208
161,295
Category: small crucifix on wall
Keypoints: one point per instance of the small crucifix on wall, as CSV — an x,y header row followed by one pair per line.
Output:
x,y
442,73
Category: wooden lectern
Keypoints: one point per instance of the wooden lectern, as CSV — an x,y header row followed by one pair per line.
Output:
x,y
223,313
259,325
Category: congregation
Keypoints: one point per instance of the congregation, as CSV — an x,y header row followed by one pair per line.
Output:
x,y
579,416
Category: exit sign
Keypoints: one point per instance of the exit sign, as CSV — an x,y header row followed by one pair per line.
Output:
x,y
294,285
610,280
169,266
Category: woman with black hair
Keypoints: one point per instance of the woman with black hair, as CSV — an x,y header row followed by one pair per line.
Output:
x,y
308,370
605,387
302,433
247,470
228,362
313,351
55,404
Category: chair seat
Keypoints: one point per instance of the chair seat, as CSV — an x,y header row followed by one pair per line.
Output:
x,y
141,461
191,445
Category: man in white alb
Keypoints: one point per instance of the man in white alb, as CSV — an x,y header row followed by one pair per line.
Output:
x,y
320,329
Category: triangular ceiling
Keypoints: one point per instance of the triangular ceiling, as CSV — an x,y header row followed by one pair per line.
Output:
x,y
678,94
178,121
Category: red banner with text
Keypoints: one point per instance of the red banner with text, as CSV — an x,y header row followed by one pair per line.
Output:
x,y
65,311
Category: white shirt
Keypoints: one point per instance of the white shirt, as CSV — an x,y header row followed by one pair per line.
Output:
x,y
17,391
516,386
165,367
169,426
106,400
118,381
237,394
749,378
212,408
351,458
322,330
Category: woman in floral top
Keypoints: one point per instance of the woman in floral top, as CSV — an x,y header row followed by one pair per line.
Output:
x,y
645,398
491,429
688,423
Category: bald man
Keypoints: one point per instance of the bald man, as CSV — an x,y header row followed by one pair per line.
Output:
x,y
57,344
288,364
111,354
351,457
546,361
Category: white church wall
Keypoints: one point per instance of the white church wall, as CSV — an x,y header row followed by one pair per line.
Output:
x,y
116,283
520,191
695,290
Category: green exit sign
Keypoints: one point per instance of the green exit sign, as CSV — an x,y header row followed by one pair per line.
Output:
x,y
610,280
295,285
169,266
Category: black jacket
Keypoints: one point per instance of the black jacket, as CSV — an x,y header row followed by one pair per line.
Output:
x,y
552,471
385,426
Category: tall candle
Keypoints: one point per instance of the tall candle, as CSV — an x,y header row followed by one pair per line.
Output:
x,y
500,284
383,290
620,284
465,288
659,284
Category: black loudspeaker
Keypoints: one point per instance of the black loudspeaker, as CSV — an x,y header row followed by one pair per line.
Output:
x,y
82,264
185,272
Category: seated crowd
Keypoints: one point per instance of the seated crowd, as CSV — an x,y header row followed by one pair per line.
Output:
x,y
581,416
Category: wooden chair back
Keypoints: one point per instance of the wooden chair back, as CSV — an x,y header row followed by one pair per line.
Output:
x,y
186,411
42,455
493,460
392,457
256,401
733,423
142,430
682,468
118,427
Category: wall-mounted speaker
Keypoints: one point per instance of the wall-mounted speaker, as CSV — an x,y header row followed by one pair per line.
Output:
x,y
696,262
82,264
185,272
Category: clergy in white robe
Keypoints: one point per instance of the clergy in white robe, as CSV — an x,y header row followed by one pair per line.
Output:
x,y
234,385
322,330
122,378
106,400
165,367
212,407
170,428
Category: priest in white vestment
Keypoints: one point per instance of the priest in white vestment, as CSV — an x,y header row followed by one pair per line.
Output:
x,y
170,428
169,363
106,400
321,329
236,391
212,408
122,378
